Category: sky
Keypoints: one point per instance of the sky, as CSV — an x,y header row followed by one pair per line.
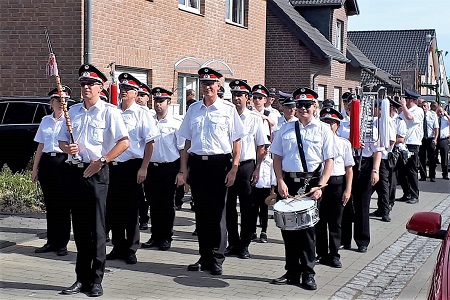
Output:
x,y
406,14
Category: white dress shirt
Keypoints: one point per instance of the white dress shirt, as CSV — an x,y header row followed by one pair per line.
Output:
x,y
274,113
371,147
400,126
444,131
343,156
169,144
96,130
318,144
392,136
281,121
432,123
414,133
266,177
141,130
253,134
211,129
47,133
344,128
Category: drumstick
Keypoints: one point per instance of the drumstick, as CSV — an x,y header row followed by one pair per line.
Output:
x,y
298,197
271,199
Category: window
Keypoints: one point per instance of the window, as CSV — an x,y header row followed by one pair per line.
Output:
x,y
185,82
20,113
337,92
339,35
321,92
235,10
190,5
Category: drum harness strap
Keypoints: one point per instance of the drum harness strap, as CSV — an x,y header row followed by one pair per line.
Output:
x,y
302,156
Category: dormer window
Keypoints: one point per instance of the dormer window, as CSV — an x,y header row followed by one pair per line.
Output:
x,y
339,38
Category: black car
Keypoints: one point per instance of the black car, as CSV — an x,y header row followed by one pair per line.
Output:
x,y
19,120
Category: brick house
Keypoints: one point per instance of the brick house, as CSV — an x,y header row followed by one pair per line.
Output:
x,y
306,45
163,43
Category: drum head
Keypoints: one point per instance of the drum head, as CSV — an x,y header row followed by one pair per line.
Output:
x,y
298,205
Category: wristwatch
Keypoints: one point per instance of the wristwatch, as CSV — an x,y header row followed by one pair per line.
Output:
x,y
103,160
375,171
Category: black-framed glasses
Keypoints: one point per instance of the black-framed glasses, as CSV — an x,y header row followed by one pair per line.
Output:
x,y
257,97
300,104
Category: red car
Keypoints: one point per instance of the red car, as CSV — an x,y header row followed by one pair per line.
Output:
x,y
428,224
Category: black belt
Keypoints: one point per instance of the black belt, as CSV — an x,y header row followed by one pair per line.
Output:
x,y
246,161
115,163
80,165
163,164
303,175
211,157
446,138
364,158
336,179
54,154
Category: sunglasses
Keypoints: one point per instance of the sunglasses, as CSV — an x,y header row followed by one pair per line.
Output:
x,y
257,97
126,88
301,104
142,94
89,83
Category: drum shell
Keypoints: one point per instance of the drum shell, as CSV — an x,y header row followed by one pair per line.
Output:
x,y
296,220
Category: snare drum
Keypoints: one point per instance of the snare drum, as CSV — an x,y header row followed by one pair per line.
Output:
x,y
296,215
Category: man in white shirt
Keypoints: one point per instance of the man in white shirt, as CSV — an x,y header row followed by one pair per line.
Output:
x,y
443,139
413,117
428,146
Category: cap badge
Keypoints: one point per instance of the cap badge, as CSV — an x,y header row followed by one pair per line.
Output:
x,y
86,74
206,76
86,67
236,82
125,75
302,90
125,81
328,110
158,94
206,70
328,115
302,96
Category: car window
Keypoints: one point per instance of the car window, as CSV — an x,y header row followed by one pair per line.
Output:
x,y
2,111
41,111
20,113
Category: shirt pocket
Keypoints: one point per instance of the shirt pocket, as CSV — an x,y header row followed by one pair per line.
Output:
x,y
219,125
48,135
96,130
289,141
132,127
196,125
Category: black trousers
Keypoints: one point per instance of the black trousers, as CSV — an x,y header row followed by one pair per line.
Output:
x,y
299,245
409,173
358,209
143,205
242,187
442,145
382,188
179,195
328,229
427,152
160,186
207,180
260,208
88,205
393,181
122,207
51,175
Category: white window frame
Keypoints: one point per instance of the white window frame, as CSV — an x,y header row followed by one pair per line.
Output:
x,y
186,5
230,7
188,81
339,35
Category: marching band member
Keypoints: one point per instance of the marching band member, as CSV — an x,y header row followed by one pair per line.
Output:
x,y
413,117
443,138
274,113
212,129
428,146
335,195
259,96
100,136
344,128
247,174
49,169
128,171
163,172
366,175
302,168
288,108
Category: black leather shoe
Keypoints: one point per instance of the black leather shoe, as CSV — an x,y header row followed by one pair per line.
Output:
x,y
244,254
195,266
362,249
445,177
216,269
404,198
346,247
375,213
62,251
254,236
386,218
143,226
131,259
194,232
280,280
114,254
96,290
308,283
422,179
334,263
231,251
432,179
165,246
73,289
44,249
412,201
263,237
151,243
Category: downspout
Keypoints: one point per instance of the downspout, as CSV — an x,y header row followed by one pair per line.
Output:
x,y
87,32
319,72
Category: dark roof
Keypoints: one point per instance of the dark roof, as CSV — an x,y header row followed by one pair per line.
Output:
x,y
352,6
394,50
305,32
357,58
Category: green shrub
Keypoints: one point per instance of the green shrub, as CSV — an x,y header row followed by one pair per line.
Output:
x,y
18,193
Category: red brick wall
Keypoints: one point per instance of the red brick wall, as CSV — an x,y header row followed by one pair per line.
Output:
x,y
135,33
24,51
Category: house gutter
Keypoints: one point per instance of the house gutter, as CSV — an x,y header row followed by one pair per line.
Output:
x,y
319,72
87,56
